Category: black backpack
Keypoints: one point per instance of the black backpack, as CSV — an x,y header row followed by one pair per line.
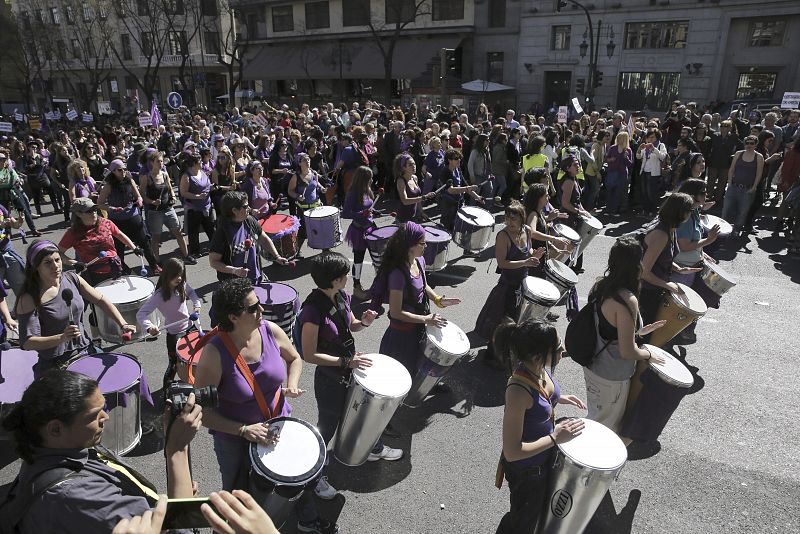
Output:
x,y
581,337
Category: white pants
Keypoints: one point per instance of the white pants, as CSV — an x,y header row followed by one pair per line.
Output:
x,y
606,399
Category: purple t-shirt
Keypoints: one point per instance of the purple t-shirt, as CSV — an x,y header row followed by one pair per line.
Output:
x,y
397,282
328,330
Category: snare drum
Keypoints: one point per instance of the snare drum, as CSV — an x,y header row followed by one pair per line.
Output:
x,y
560,276
589,227
127,294
679,311
442,347
377,240
654,395
16,371
282,229
584,469
437,241
280,473
538,296
281,304
717,279
473,229
323,227
188,355
123,385
373,396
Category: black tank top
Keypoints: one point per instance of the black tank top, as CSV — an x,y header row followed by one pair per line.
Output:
x,y
158,191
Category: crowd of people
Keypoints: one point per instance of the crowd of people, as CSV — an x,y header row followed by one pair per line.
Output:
x,y
117,187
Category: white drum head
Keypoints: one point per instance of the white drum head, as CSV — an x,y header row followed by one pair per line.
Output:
x,y
566,232
673,371
593,221
714,267
597,447
562,271
476,216
386,377
126,289
690,300
450,338
540,288
297,457
709,221
322,211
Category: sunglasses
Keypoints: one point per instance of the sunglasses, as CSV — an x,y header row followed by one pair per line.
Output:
x,y
750,143
254,308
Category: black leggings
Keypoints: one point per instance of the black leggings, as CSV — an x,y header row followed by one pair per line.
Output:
x,y
194,221
38,191
528,493
135,230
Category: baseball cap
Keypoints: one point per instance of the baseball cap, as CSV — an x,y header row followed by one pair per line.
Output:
x,y
83,205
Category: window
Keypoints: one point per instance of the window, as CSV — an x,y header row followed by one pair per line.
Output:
x,y
130,85
317,15
177,43
40,16
69,14
76,48
559,39
400,11
282,20
448,9
91,51
497,13
251,23
668,34
142,9
173,7
766,33
208,8
494,67
147,44
647,90
756,85
355,12
54,15
211,42
87,12
125,40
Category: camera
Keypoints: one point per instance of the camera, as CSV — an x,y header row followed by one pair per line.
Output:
x,y
178,392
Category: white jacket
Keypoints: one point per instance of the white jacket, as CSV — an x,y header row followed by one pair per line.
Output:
x,y
652,163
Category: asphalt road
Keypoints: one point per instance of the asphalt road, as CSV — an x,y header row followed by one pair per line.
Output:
x,y
727,462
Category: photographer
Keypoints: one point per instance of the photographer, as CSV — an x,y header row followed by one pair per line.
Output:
x,y
68,481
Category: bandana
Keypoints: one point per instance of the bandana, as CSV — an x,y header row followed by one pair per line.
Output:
x,y
414,233
37,247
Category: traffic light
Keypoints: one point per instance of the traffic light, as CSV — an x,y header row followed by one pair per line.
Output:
x,y
558,5
580,86
454,63
598,78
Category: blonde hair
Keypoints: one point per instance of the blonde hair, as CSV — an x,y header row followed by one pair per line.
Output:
x,y
623,141
73,168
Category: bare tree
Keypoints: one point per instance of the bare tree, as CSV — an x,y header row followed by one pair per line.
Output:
x,y
184,26
387,32
234,41
25,52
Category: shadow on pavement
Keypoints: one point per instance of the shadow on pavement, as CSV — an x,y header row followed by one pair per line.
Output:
x,y
606,520
372,477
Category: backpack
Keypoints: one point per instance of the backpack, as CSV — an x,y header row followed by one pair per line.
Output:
x,y
580,339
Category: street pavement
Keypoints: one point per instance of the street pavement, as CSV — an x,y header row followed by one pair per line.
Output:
x,y
727,461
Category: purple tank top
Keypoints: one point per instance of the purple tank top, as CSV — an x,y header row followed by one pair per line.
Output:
x,y
409,213
199,185
537,423
236,399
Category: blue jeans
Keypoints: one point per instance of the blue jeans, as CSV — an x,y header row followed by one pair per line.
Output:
x,y
617,186
737,202
12,268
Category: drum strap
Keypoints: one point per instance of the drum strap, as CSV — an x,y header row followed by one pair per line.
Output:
x,y
277,402
194,351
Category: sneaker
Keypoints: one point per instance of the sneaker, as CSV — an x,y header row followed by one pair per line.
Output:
x,y
318,526
35,215
190,260
387,453
324,490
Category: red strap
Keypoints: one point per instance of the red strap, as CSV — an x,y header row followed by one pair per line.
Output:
x,y
268,412
194,351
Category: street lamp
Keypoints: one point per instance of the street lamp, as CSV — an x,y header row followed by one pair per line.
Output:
x,y
583,46
610,46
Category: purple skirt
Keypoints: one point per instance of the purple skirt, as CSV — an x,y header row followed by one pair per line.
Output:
x,y
355,237
501,301
403,345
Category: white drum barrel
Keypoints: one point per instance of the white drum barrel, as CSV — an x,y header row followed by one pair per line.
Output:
x,y
590,226
442,347
560,276
717,279
128,294
473,229
323,227
538,296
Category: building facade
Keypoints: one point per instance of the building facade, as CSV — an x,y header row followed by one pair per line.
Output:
x,y
651,52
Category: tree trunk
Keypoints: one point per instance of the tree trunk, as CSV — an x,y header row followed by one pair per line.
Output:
x,y
387,76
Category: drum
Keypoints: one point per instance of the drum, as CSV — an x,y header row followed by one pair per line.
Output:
x,y
654,395
280,473
282,229
128,294
437,241
323,227
567,233
442,347
716,278
582,473
709,221
16,374
188,356
123,385
281,304
679,311
560,276
538,296
473,229
373,396
589,227
377,239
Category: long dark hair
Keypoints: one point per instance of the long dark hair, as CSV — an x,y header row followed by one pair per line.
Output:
x,y
531,201
396,254
172,267
675,209
529,341
624,271
58,394
32,285
362,177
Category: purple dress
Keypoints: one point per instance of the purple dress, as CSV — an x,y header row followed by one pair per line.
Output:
x,y
353,209
401,340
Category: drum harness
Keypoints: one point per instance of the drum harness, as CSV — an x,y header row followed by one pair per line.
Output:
x,y
345,348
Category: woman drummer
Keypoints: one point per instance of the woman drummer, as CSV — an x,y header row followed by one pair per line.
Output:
x,y
246,341
453,196
515,256
408,190
660,249
50,309
536,206
402,274
530,434
256,186
358,207
571,198
615,296
304,190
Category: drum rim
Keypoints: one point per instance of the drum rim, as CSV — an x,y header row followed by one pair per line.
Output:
x,y
130,356
682,306
378,238
112,281
299,480
563,225
178,353
664,377
557,294
474,222
432,340
376,393
296,294
557,274
312,215
34,356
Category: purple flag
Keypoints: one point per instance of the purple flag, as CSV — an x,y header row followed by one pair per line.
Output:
x,y
155,115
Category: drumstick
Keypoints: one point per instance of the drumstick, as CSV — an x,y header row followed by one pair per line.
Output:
x,y
193,317
247,244
99,257
271,211
22,234
486,181
142,270
439,191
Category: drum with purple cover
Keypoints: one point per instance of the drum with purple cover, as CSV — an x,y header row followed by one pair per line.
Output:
x,y
281,304
437,242
473,229
16,374
123,385
377,239
323,227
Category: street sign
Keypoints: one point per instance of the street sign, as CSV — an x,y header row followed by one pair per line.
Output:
x,y
790,101
577,105
175,100
562,114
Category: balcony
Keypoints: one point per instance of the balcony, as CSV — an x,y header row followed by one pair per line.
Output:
x,y
175,60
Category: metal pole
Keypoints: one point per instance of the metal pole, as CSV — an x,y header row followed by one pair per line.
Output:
x,y
592,55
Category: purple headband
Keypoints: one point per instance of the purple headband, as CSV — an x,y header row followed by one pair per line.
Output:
x,y
38,247
414,233
404,157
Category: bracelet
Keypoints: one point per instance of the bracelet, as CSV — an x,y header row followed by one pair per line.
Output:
x,y
552,439
438,301
242,430
649,354
344,362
